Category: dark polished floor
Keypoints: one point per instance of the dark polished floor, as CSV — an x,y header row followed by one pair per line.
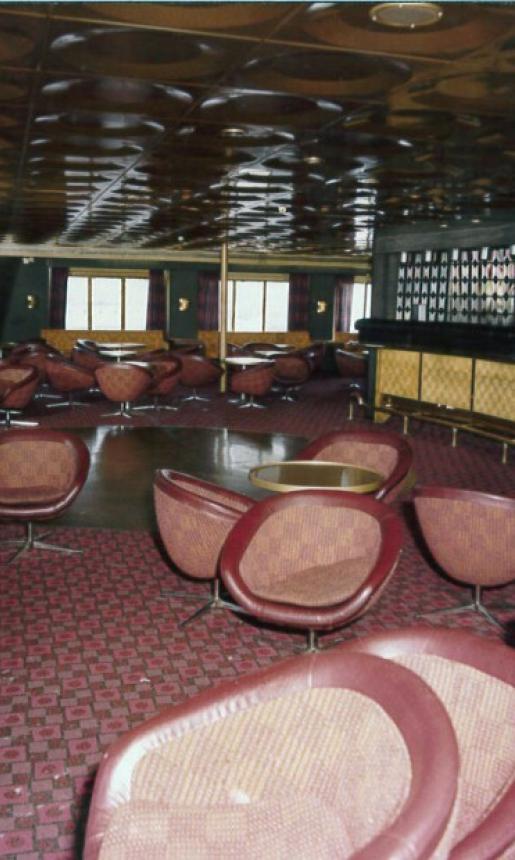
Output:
x,y
118,492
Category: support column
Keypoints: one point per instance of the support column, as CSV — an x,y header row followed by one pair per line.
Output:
x,y
224,267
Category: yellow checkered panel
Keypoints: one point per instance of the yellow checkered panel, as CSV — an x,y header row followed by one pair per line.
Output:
x,y
446,379
397,373
494,390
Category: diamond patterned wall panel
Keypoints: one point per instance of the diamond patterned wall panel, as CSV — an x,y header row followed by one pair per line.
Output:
x,y
494,389
446,379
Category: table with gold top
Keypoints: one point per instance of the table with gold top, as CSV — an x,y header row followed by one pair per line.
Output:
x,y
314,475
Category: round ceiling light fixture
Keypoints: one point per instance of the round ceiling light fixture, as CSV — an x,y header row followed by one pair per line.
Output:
x,y
407,15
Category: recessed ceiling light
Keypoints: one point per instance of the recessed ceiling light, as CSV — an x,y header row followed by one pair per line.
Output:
x,y
312,159
476,220
406,15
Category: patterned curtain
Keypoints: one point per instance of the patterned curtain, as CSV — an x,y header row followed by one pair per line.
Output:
x,y
57,300
298,307
343,286
156,302
208,312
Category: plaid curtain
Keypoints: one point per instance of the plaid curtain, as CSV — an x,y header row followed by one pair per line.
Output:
x,y
208,301
156,302
57,298
342,302
298,306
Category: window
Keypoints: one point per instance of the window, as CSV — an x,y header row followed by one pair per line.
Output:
x,y
255,304
360,307
106,300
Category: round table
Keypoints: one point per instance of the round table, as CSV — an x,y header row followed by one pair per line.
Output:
x,y
119,345
244,361
118,352
314,475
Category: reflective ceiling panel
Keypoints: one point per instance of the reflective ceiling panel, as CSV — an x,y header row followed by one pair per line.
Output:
x,y
279,127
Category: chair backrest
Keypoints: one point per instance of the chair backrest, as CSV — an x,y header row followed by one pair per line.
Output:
x,y
254,380
292,369
67,375
18,384
475,679
194,517
388,454
351,364
122,382
198,370
32,458
312,559
298,733
469,533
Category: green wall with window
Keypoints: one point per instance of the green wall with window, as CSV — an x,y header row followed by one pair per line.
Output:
x,y
18,279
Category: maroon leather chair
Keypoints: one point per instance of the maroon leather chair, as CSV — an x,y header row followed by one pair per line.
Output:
x,y
166,370
197,372
471,535
252,382
475,679
313,560
18,386
41,474
319,757
290,372
352,366
194,518
388,454
69,379
123,383
85,353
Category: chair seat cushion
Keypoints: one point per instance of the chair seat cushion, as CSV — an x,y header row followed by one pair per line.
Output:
x,y
285,827
30,494
276,780
321,585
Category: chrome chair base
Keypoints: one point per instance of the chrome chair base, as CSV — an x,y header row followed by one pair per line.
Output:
x,y
7,419
32,542
125,411
216,601
195,396
68,402
251,404
476,606
155,406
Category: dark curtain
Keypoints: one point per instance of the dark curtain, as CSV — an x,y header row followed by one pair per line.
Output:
x,y
57,300
208,314
298,306
156,302
342,302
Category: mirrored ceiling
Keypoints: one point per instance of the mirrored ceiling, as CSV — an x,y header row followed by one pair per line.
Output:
x,y
281,128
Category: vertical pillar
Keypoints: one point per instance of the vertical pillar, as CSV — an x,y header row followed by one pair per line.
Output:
x,y
224,267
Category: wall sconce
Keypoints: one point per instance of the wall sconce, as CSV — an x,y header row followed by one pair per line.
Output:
x,y
31,302
184,304
321,306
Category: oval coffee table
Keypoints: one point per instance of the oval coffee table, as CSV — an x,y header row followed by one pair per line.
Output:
x,y
314,475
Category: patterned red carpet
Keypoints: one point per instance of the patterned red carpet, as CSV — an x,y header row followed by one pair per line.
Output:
x,y
90,647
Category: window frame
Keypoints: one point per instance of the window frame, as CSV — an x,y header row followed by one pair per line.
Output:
x,y
122,274
265,279
367,299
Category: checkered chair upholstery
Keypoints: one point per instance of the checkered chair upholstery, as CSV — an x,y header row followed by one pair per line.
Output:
x,y
194,518
253,381
267,765
313,560
471,536
475,679
41,474
388,454
18,385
